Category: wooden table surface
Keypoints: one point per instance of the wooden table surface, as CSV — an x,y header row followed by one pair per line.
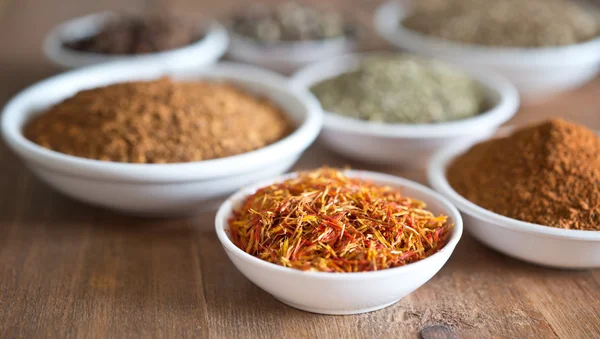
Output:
x,y
68,270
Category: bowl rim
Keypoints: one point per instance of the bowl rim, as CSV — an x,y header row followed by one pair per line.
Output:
x,y
583,52
296,142
214,36
226,207
292,54
236,37
436,175
502,111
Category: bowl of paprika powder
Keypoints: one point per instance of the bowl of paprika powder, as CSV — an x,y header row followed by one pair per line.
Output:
x,y
533,195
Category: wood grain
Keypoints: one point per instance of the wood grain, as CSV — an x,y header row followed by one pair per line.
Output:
x,y
68,270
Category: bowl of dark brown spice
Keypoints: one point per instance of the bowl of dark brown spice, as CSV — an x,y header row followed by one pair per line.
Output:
x,y
133,138
289,35
533,195
542,46
170,40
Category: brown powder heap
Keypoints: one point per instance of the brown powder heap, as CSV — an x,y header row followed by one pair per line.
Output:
x,y
159,121
547,174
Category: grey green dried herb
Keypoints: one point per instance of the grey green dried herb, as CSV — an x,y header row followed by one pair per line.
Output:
x,y
505,23
402,89
290,21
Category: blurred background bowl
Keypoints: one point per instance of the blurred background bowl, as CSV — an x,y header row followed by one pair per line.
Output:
x,y
159,189
207,50
341,293
538,73
287,56
405,144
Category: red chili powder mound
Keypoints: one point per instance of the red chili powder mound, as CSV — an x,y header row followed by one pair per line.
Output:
x,y
548,174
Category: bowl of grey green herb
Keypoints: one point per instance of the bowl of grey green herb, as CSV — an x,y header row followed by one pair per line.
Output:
x,y
397,109
542,46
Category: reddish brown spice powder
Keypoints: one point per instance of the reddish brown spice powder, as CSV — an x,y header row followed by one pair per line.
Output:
x,y
159,121
548,174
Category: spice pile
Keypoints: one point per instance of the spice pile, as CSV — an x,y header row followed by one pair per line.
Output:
x,y
547,174
290,21
325,221
159,121
505,23
126,34
402,89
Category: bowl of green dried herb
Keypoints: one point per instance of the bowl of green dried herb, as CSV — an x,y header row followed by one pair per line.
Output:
x,y
389,108
542,46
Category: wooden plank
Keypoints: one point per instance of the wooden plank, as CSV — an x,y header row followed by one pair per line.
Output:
x,y
567,299
108,274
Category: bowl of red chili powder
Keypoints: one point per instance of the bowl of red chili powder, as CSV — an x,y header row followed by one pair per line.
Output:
x,y
338,242
533,194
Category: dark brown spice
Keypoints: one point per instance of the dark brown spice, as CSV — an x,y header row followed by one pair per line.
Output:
x,y
548,174
159,121
128,35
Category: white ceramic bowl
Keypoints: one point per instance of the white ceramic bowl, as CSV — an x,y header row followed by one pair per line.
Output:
x,y
537,244
341,293
405,144
159,189
538,73
286,57
205,51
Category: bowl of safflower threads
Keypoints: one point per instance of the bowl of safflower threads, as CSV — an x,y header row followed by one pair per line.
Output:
x,y
335,241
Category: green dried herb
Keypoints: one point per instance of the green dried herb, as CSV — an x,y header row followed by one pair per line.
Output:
x,y
402,89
